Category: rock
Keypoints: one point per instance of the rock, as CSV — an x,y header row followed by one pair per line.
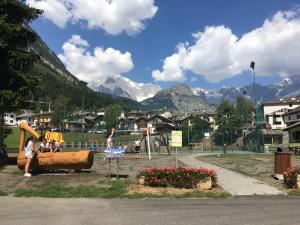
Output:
x,y
205,184
141,180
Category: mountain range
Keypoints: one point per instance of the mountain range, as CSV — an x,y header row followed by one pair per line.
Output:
x,y
287,87
120,86
124,87
179,98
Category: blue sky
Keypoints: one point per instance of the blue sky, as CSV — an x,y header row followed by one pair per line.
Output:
x,y
174,22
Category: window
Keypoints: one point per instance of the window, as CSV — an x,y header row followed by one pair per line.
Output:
x,y
289,117
298,116
276,120
11,121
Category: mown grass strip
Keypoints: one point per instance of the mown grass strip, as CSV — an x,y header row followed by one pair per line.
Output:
x,y
295,192
2,193
112,189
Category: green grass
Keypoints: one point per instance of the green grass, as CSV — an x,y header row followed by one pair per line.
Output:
x,y
12,140
2,193
295,192
111,189
51,190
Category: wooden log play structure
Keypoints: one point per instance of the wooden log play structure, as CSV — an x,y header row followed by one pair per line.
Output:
x,y
53,160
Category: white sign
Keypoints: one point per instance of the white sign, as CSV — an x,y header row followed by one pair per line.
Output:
x,y
176,138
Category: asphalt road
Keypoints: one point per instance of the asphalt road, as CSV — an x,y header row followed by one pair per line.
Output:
x,y
258,210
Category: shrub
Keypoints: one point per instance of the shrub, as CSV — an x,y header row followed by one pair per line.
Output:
x,y
179,177
290,177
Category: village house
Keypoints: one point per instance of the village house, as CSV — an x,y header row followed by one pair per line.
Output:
x,y
10,119
292,126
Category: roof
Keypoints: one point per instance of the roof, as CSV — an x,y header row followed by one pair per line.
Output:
x,y
292,111
283,101
161,118
26,114
292,126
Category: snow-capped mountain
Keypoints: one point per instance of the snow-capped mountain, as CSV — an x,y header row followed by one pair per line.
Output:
x,y
124,87
287,87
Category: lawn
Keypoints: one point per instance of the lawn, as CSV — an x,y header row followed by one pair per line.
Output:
x,y
109,189
259,166
94,183
12,140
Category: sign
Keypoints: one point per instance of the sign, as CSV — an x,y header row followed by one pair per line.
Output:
x,y
176,138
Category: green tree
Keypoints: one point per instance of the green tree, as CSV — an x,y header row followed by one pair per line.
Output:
x,y
245,108
186,132
200,126
111,118
59,107
16,59
229,124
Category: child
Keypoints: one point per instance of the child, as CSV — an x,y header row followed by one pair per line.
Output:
x,y
109,141
53,146
29,150
44,146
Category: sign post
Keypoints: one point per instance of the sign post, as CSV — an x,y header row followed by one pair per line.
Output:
x,y
176,142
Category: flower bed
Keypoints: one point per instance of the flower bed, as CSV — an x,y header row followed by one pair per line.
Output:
x,y
291,177
176,176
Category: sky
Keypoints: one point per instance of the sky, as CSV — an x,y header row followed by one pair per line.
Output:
x,y
207,43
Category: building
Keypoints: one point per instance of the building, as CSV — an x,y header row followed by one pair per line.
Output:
x,y
10,119
292,122
27,116
273,111
272,132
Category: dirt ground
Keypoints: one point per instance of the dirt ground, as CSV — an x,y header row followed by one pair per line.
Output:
x,y
11,178
259,166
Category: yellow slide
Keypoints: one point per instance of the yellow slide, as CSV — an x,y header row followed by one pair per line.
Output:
x,y
56,136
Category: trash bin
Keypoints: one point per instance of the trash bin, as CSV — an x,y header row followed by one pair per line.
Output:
x,y
190,147
282,161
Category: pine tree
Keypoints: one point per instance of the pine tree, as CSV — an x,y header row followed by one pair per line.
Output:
x,y
16,59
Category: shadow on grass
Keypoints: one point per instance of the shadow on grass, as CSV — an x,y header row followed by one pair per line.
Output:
x,y
2,193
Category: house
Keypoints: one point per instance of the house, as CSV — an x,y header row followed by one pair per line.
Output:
x,y
292,121
42,119
10,119
27,116
159,123
272,132
273,111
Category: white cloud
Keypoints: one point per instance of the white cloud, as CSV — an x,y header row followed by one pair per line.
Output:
x,y
172,68
113,16
218,54
94,67
54,10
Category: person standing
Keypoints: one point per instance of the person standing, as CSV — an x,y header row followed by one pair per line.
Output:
x,y
29,151
109,141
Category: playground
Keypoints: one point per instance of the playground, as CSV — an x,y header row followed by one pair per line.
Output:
x,y
96,167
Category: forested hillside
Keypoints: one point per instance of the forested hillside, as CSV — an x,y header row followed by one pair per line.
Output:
x,y
57,80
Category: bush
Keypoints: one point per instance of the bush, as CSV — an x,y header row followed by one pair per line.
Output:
x,y
179,177
290,177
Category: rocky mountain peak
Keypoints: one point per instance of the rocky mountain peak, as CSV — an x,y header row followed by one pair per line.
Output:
x,y
181,89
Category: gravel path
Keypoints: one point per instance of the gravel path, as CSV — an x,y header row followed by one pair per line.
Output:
x,y
233,182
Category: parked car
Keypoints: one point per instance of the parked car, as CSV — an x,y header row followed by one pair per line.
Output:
x,y
92,131
55,129
101,131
